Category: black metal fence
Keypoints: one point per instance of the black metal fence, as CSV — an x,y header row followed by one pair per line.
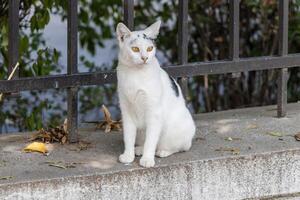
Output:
x,y
72,80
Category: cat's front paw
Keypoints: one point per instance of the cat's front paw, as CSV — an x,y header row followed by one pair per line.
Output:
x,y
126,158
147,162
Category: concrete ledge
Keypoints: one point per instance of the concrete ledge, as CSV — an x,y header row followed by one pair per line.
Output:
x,y
265,166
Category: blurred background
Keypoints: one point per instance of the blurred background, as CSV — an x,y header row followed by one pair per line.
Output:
x,y
43,51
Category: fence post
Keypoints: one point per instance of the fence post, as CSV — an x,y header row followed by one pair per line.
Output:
x,y
129,13
72,93
283,51
183,42
234,35
13,35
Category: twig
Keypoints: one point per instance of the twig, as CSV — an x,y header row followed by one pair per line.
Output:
x,y
10,77
58,166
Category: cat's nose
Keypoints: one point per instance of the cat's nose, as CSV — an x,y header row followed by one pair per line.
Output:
x,y
144,59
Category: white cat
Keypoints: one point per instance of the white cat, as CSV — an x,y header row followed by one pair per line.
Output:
x,y
154,114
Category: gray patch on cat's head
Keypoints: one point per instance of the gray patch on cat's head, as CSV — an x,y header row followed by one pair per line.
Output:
x,y
132,41
148,38
141,36
153,40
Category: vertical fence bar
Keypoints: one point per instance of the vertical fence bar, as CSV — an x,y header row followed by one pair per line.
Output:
x,y
129,13
13,35
183,41
234,49
234,32
283,51
72,69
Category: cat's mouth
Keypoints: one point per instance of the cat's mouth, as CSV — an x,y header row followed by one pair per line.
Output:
x,y
142,63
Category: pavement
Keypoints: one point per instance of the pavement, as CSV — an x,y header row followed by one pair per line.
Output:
x,y
238,154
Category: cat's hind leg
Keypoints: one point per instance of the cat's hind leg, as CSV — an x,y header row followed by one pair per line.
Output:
x,y
176,139
164,153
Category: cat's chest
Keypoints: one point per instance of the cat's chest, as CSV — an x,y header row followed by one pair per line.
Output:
x,y
138,85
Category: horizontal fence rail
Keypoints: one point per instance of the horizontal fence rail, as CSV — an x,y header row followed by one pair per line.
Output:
x,y
72,80
188,70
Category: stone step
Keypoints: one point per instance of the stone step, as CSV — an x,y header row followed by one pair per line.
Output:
x,y
236,154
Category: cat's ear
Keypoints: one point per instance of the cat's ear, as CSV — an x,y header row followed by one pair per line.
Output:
x,y
153,30
122,31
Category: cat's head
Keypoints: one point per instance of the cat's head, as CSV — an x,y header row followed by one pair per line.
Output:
x,y
137,47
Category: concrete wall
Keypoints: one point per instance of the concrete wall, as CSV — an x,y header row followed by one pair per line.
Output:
x,y
225,178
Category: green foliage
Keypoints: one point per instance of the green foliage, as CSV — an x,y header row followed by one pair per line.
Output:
x,y
36,59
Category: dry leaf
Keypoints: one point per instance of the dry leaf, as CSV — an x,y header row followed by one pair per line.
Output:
x,y
63,139
5,177
83,145
36,147
274,133
65,125
58,165
234,151
109,124
199,138
232,138
50,135
61,165
297,136
252,126
107,114
3,163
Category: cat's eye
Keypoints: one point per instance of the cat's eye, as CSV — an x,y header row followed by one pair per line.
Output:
x,y
135,49
150,48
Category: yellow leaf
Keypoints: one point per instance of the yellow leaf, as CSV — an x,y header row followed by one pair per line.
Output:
x,y
36,147
274,133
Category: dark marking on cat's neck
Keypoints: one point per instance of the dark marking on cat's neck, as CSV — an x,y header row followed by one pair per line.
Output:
x,y
174,86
